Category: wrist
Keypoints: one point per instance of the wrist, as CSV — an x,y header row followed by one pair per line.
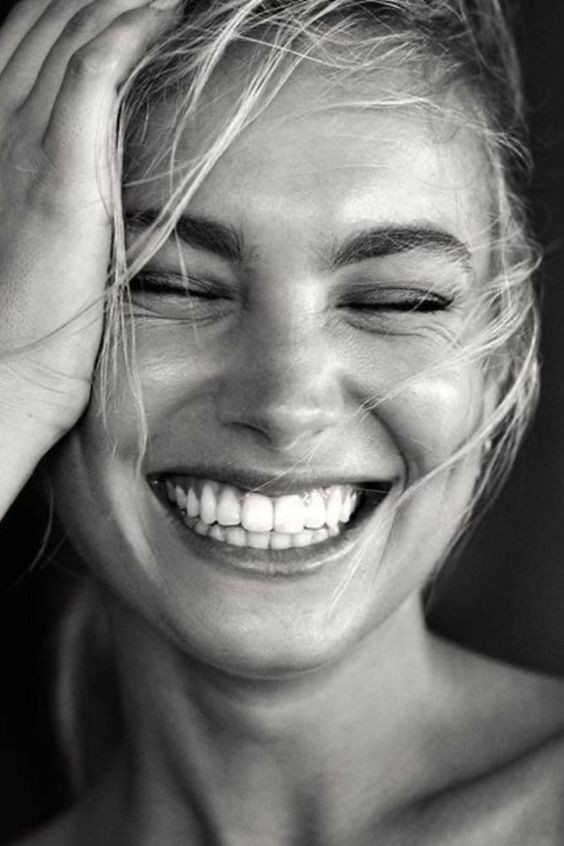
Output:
x,y
34,416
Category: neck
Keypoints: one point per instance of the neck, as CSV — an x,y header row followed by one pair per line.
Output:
x,y
214,758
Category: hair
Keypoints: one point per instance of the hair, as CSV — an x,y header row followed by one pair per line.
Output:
x,y
462,46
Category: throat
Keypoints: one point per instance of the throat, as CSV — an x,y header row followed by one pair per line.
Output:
x,y
234,752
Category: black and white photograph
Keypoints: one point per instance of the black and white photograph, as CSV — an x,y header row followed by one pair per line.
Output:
x,y
282,423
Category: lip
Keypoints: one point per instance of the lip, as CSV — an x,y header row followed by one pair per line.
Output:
x,y
268,563
275,483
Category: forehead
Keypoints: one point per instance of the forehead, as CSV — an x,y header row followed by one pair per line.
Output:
x,y
323,158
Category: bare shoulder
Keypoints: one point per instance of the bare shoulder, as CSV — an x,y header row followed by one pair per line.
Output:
x,y
498,712
518,804
504,780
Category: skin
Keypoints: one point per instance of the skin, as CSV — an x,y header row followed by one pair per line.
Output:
x,y
258,709
55,57
244,380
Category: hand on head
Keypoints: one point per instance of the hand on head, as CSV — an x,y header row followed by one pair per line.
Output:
x,y
61,64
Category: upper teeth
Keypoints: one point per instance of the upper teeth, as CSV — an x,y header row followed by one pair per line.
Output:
x,y
213,502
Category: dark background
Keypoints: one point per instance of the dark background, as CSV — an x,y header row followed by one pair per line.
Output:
x,y
505,596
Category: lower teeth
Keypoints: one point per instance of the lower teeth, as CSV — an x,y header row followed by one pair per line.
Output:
x,y
237,536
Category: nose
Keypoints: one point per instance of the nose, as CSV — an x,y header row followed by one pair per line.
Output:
x,y
282,385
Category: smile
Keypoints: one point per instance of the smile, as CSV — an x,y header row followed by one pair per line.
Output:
x,y
235,517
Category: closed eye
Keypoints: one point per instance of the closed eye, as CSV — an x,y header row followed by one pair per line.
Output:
x,y
150,282
401,300
171,296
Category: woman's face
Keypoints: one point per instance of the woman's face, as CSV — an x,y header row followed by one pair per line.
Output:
x,y
334,257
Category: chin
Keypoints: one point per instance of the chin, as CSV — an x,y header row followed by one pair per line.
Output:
x,y
246,608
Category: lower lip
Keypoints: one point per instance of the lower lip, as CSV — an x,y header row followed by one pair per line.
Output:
x,y
294,561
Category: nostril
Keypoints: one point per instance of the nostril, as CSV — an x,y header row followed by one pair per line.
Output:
x,y
283,419
285,428
285,389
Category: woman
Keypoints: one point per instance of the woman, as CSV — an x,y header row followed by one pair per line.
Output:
x,y
267,426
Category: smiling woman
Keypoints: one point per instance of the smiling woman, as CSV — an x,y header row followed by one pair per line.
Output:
x,y
313,355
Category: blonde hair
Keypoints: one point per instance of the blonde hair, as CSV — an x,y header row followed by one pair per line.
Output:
x,y
449,44
455,43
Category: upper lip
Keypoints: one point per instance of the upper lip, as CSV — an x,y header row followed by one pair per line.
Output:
x,y
274,482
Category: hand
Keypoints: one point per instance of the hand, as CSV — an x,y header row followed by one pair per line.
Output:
x,y
61,63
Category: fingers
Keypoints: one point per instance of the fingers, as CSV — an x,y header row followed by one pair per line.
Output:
x,y
16,25
29,39
80,29
77,128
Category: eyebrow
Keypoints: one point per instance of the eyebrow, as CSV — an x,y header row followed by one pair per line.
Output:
x,y
226,241
390,240
202,233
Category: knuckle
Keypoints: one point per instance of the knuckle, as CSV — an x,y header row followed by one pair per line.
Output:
x,y
80,24
89,62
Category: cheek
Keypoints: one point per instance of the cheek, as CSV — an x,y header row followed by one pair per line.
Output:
x,y
428,408
176,369
433,415
144,396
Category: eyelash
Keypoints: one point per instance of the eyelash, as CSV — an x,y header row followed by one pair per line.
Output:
x,y
404,300
172,283
395,300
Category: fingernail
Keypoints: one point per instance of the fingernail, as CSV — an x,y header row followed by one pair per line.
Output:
x,y
163,5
